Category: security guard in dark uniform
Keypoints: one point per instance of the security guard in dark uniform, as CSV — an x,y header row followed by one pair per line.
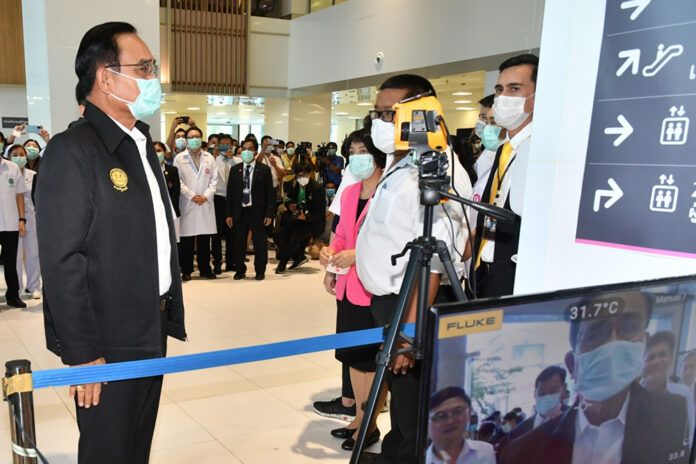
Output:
x,y
107,245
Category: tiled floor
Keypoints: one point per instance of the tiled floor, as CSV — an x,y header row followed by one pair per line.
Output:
x,y
256,413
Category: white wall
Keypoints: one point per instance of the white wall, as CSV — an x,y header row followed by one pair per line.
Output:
x,y
14,103
310,119
268,56
341,42
549,258
52,33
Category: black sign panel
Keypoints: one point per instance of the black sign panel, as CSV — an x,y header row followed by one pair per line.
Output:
x,y
639,186
10,122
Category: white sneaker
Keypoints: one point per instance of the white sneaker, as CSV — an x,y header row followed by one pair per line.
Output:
x,y
36,294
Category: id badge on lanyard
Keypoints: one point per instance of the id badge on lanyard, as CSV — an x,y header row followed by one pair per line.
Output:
x,y
491,224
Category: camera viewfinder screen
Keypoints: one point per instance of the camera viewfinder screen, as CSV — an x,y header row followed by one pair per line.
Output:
x,y
597,375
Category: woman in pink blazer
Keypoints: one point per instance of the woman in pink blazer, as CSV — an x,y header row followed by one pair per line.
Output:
x,y
353,301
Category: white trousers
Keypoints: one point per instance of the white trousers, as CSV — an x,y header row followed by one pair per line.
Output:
x,y
28,256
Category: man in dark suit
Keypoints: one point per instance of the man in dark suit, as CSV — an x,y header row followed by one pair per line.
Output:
x,y
171,177
614,419
304,219
250,206
106,240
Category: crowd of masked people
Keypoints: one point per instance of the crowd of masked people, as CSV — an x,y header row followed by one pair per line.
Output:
x,y
237,198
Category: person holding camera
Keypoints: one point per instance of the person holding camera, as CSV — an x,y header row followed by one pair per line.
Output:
x,y
331,165
305,218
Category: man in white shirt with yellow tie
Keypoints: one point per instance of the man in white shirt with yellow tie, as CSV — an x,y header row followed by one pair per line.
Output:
x,y
495,248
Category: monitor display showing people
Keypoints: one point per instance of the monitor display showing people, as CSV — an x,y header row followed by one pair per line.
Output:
x,y
600,374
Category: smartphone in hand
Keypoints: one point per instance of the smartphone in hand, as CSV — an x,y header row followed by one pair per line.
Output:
x,y
33,129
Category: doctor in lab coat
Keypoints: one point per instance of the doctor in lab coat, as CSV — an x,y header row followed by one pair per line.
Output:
x,y
198,183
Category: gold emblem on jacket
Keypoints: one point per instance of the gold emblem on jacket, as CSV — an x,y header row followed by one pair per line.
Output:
x,y
120,179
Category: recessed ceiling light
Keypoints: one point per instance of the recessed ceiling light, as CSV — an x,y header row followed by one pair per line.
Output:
x,y
354,117
170,112
465,108
193,108
341,113
461,93
364,104
462,101
222,113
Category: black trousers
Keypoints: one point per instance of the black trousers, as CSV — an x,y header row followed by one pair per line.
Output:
x,y
399,445
223,233
119,430
203,254
346,385
9,242
293,241
249,220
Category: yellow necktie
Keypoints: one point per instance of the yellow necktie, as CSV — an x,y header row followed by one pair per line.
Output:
x,y
499,174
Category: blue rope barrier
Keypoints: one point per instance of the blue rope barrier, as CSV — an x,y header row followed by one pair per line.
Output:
x,y
150,367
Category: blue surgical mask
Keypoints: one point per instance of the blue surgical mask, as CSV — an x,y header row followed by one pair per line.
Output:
x,y
32,153
149,99
160,156
331,151
546,403
489,137
223,148
608,369
330,192
195,143
291,151
20,161
478,127
180,143
361,165
247,156
506,428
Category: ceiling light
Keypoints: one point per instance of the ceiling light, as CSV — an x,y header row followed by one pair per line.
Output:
x,y
341,113
364,104
462,101
170,112
222,113
461,93
465,108
193,108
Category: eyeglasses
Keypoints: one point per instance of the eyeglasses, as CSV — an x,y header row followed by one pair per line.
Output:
x,y
627,327
146,68
443,416
386,115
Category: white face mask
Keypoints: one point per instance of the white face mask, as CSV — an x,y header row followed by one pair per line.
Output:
x,y
303,181
478,128
383,136
509,111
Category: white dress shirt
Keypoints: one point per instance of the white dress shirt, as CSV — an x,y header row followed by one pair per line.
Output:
x,y
223,165
515,176
251,179
164,248
601,444
473,452
394,218
11,184
271,161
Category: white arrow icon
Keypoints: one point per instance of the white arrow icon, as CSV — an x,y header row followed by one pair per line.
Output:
x,y
623,132
632,60
614,195
639,6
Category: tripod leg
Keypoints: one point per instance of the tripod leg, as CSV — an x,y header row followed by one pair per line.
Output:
x,y
446,259
385,355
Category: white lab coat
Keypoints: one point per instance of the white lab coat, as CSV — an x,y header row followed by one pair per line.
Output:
x,y
197,219
28,246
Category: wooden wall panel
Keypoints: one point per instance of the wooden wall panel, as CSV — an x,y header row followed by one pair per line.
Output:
x,y
209,46
12,40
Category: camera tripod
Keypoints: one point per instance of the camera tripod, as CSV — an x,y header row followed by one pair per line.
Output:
x,y
433,183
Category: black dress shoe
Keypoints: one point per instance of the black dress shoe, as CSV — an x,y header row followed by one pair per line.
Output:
x,y
208,275
280,269
343,433
297,263
16,302
260,277
370,440
185,277
217,270
239,276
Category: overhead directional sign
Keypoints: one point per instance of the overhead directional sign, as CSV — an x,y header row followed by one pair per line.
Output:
x,y
639,185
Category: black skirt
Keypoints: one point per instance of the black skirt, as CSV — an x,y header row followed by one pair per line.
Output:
x,y
350,317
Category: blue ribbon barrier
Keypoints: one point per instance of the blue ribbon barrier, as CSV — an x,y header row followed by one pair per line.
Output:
x,y
151,367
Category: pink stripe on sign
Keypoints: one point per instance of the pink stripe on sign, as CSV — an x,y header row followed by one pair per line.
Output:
x,y
679,254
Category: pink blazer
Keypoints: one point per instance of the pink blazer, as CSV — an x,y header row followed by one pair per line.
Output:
x,y
346,235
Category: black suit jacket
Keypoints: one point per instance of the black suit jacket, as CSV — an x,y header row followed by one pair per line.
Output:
x,y
171,176
507,238
315,198
98,246
656,426
263,195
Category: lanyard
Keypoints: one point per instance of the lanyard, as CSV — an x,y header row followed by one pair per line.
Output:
x,y
507,168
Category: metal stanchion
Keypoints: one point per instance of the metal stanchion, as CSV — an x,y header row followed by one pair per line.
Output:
x,y
17,390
